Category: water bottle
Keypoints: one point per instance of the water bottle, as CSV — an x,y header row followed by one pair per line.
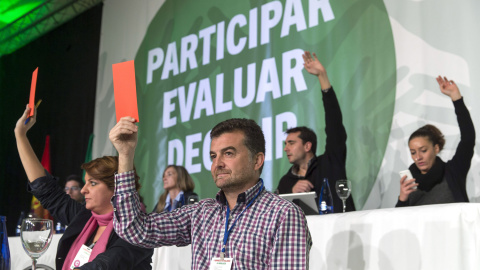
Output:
x,y
18,229
5,254
59,228
325,202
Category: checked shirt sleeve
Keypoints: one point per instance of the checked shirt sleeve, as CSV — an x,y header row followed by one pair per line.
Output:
x,y
292,242
142,229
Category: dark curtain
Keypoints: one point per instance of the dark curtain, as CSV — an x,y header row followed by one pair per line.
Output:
x,y
67,58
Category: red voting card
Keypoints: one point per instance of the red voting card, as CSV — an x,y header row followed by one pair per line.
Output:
x,y
125,90
31,102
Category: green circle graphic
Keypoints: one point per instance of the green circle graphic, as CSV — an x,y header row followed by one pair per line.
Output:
x,y
355,45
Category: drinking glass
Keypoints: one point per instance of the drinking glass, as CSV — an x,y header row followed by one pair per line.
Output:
x,y
36,235
343,188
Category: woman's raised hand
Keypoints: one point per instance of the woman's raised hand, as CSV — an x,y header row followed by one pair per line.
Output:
x,y
449,88
21,128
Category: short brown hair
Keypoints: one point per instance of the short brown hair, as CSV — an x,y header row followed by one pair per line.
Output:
x,y
104,169
306,135
254,138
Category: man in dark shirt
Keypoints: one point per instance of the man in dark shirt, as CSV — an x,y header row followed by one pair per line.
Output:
x,y
309,170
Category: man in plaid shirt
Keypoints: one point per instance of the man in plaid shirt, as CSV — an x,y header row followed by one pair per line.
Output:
x,y
245,226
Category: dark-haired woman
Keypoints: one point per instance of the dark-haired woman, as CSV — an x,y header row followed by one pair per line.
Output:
x,y
89,224
178,186
435,181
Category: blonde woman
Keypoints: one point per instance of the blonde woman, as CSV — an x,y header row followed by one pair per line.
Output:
x,y
178,186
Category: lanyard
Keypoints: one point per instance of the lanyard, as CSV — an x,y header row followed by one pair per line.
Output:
x,y
227,231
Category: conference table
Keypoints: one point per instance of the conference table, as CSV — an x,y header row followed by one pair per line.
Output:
x,y
445,236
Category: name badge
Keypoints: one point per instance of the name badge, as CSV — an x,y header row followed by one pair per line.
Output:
x,y
82,257
221,264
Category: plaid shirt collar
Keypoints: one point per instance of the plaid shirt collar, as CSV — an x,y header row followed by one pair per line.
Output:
x,y
242,197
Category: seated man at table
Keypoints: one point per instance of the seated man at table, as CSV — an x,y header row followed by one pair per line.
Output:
x,y
264,230
309,170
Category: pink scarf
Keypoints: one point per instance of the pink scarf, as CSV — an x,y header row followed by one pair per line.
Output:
x,y
92,224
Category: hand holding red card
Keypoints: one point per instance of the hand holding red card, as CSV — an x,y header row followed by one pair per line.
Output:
x,y
125,90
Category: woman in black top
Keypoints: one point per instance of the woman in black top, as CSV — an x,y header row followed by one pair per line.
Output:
x,y
435,181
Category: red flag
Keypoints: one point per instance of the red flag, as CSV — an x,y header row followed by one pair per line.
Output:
x,y
36,207
46,155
